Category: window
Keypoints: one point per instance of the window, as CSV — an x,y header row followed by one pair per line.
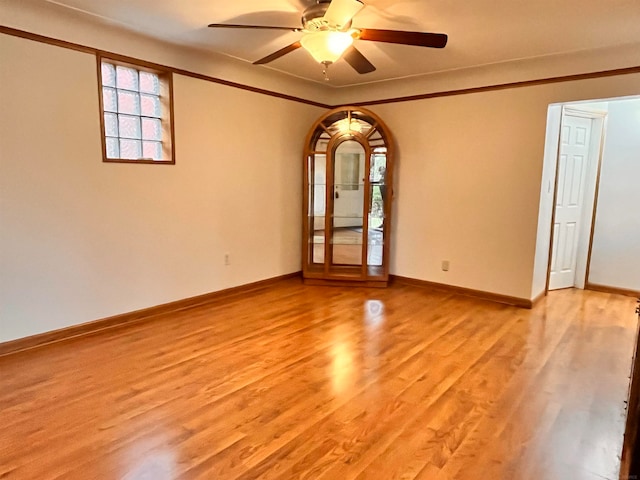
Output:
x,y
136,113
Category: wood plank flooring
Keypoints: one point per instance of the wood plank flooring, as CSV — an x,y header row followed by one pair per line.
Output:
x,y
295,381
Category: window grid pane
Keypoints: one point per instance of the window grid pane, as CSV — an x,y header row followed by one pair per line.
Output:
x,y
151,129
108,75
128,102
109,99
113,148
129,126
110,124
130,149
150,106
152,150
149,83
127,78
132,113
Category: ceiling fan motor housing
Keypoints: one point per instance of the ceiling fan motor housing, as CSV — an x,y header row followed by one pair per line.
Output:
x,y
313,18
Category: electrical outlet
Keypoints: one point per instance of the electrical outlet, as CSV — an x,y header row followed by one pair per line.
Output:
x,y
227,259
445,265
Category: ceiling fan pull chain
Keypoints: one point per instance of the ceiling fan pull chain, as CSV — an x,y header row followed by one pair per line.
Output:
x,y
325,67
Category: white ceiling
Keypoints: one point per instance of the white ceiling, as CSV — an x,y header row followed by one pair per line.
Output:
x,y
480,32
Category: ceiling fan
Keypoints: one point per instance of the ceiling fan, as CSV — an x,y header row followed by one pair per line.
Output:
x,y
328,36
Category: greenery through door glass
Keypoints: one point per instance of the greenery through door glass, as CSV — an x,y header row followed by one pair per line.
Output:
x,y
378,190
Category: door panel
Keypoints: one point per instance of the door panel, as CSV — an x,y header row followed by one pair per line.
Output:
x,y
572,169
348,203
348,185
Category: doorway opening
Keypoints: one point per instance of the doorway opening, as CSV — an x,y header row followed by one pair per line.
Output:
x,y
589,217
578,161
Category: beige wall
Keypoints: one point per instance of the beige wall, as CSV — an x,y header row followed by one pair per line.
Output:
x,y
82,240
552,66
468,182
55,21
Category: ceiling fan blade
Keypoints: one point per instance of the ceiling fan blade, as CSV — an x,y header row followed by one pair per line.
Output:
x,y
261,27
278,54
358,61
340,12
419,39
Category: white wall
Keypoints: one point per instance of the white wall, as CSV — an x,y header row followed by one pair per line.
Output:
x,y
615,257
81,239
469,178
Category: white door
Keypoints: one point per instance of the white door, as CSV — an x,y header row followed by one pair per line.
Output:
x,y
348,200
573,162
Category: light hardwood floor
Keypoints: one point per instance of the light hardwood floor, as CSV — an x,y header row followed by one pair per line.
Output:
x,y
295,381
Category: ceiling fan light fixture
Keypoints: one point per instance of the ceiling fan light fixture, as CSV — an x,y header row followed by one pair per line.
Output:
x,y
340,12
328,36
326,46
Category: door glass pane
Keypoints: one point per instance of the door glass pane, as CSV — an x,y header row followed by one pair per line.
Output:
x,y
322,142
377,177
317,205
347,241
348,203
374,247
378,194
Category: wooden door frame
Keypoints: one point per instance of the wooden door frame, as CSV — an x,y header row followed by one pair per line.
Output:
x,y
332,147
375,137
594,116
